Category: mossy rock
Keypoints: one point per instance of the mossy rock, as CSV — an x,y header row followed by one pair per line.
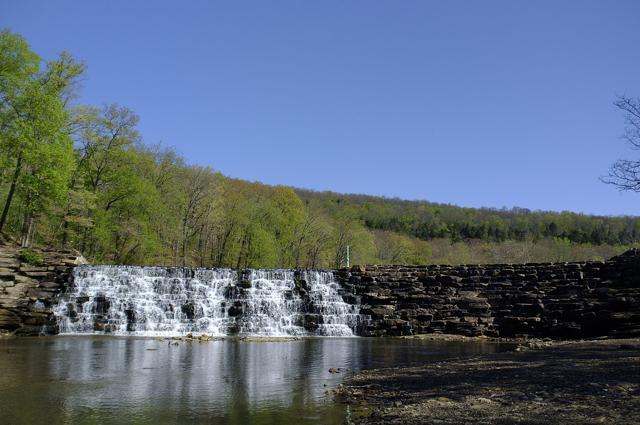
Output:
x,y
301,284
31,257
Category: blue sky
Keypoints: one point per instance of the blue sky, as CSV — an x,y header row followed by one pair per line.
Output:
x,y
492,103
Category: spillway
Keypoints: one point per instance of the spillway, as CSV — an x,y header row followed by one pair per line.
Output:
x,y
157,301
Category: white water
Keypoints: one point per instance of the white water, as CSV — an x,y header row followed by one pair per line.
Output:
x,y
155,301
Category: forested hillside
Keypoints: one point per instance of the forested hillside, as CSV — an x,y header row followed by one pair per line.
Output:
x,y
427,220
80,176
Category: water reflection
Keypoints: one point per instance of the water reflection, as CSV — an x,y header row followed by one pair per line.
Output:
x,y
88,380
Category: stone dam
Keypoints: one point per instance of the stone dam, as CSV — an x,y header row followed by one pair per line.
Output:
x,y
63,294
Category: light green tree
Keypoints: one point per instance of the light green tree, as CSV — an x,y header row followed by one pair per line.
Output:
x,y
34,129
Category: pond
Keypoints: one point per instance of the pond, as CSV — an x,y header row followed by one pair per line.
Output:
x,y
135,380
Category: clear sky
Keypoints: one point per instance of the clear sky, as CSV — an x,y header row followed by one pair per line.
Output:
x,y
492,103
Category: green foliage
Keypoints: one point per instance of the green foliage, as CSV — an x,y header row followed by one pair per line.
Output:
x,y
30,256
80,177
426,220
34,132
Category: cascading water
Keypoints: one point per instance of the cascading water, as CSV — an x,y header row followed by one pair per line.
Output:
x,y
155,301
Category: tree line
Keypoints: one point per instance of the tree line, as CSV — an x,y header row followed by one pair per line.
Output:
x,y
428,220
80,176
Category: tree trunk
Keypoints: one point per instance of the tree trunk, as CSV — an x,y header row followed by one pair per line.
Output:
x,y
241,253
27,228
12,189
223,247
65,234
184,251
85,236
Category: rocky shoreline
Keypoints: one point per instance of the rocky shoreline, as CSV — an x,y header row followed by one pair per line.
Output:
x,y
541,382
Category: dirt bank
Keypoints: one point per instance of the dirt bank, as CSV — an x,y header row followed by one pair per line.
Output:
x,y
581,382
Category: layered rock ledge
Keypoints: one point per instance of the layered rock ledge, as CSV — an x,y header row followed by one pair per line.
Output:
x,y
557,300
28,290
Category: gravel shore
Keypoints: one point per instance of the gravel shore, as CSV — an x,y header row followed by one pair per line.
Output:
x,y
580,382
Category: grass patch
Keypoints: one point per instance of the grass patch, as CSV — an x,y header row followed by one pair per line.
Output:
x,y
30,256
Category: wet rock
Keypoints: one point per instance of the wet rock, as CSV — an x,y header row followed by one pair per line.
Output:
x,y
100,305
234,311
188,310
311,322
131,319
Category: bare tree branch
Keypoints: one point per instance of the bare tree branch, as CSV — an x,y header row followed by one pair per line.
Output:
x,y
624,174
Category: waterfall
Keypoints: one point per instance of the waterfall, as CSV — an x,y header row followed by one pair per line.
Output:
x,y
156,301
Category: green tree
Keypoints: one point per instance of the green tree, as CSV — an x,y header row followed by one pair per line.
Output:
x,y
34,128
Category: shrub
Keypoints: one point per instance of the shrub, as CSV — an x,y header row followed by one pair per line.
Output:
x,y
30,256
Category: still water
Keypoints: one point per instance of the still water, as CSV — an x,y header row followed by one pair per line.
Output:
x,y
129,380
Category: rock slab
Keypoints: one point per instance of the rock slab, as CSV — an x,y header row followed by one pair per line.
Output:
x,y
28,291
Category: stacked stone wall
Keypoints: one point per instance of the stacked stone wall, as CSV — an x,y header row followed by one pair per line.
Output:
x,y
558,300
28,291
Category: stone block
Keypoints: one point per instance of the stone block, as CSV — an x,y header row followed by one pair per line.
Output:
x,y
26,281
24,267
